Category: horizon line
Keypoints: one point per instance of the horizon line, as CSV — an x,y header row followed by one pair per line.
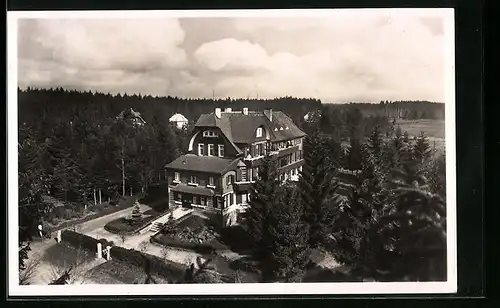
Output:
x,y
322,101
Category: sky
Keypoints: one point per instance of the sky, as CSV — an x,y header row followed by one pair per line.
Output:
x,y
338,57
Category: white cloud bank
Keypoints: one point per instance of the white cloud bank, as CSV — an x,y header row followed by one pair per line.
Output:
x,y
351,56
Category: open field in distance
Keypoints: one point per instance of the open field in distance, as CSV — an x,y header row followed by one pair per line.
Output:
x,y
432,128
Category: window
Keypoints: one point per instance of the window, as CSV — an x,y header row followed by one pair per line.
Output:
x,y
259,132
259,150
244,199
195,199
200,149
210,150
194,179
177,197
202,201
219,203
177,177
243,174
229,180
205,133
211,181
221,150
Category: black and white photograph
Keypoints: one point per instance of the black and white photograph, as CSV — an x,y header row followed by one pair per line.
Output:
x,y
231,152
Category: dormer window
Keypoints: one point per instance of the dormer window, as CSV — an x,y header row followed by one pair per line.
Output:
x,y
210,150
259,132
209,133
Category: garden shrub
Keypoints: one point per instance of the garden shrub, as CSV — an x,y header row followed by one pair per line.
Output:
x,y
126,226
152,264
165,240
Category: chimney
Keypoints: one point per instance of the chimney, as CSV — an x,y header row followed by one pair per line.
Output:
x,y
218,112
269,114
245,111
228,109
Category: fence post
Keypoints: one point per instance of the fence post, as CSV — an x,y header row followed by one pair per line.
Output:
x,y
99,250
108,253
59,236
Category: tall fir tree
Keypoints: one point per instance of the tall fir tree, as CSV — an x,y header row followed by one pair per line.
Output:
x,y
290,252
262,195
422,154
318,188
357,241
354,154
414,232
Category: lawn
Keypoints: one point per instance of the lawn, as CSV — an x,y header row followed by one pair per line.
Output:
x,y
116,272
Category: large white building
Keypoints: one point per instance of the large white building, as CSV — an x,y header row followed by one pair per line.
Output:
x,y
178,120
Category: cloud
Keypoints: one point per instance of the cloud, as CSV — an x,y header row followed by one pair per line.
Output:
x,y
347,56
380,57
101,54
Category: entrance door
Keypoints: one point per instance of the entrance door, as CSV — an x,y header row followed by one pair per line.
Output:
x,y
186,201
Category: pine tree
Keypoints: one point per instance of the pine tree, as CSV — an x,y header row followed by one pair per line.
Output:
x,y
354,155
318,189
414,232
422,149
290,252
437,176
374,144
262,195
136,214
357,241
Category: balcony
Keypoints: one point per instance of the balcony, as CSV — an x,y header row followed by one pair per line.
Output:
x,y
242,186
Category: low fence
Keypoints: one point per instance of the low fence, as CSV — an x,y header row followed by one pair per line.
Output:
x,y
104,249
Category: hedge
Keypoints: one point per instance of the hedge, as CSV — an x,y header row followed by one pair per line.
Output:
x,y
81,240
165,240
151,264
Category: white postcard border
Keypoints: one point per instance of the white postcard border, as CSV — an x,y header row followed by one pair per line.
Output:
x,y
450,286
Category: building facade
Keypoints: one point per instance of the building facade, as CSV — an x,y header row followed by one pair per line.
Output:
x,y
223,159
178,120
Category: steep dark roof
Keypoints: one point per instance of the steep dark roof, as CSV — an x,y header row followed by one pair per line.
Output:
x,y
240,128
210,164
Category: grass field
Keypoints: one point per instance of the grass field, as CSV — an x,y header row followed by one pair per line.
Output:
x,y
432,128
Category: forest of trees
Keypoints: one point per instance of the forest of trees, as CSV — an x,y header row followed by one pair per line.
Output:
x,y
392,227
73,148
